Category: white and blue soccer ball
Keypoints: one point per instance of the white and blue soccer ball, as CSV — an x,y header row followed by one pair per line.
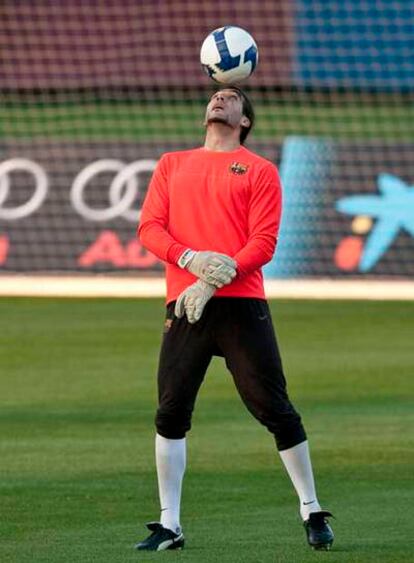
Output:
x,y
229,54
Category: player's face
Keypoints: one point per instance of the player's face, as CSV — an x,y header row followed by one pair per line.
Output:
x,y
226,106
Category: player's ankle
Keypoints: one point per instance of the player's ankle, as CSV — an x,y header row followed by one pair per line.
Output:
x,y
307,507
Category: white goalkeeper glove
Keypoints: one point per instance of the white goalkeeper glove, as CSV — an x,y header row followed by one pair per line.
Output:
x,y
193,300
212,267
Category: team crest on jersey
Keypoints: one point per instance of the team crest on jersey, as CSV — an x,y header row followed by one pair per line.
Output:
x,y
238,168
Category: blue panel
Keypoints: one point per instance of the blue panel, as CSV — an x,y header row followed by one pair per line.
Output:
x,y
304,170
355,43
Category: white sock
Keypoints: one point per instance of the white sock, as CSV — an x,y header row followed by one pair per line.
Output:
x,y
170,458
298,465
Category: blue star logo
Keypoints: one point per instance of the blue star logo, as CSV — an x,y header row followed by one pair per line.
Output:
x,y
393,210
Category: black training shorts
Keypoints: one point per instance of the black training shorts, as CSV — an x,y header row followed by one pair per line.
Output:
x,y
240,330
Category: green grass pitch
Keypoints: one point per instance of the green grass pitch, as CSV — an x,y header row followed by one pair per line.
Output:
x,y
77,398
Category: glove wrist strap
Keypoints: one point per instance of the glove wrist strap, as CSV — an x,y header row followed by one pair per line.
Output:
x,y
186,258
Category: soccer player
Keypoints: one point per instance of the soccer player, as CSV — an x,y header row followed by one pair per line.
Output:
x,y
212,214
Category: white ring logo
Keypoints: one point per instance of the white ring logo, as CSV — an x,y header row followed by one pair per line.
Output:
x,y
126,181
7,166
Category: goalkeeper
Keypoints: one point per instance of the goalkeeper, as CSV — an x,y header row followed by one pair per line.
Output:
x,y
212,214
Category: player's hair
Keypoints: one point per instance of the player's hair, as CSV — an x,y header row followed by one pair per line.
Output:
x,y
248,112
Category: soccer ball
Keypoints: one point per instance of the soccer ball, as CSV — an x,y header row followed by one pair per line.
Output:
x,y
229,54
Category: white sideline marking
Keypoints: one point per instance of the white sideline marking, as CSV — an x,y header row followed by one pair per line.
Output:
x,y
107,286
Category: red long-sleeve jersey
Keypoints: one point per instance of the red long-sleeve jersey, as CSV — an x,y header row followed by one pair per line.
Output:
x,y
228,202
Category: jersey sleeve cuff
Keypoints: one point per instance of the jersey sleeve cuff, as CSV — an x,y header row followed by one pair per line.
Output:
x,y
175,251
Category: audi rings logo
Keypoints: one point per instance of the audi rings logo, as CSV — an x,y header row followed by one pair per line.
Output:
x,y
123,189
41,182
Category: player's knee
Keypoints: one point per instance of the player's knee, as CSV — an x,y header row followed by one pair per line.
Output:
x,y
172,424
287,428
287,432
